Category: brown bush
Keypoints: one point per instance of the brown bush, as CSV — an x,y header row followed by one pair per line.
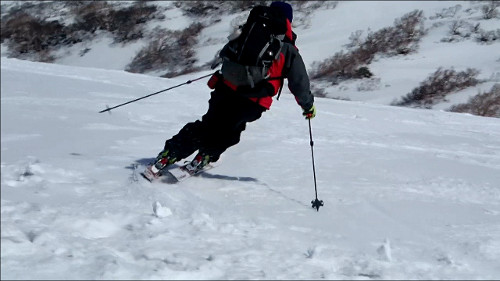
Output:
x,y
437,86
488,37
490,10
400,39
125,24
170,50
30,37
211,8
199,8
216,8
91,16
460,30
485,104
447,13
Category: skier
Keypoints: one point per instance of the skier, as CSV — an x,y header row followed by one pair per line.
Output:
x,y
231,107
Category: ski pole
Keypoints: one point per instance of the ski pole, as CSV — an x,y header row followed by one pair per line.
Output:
x,y
147,96
315,203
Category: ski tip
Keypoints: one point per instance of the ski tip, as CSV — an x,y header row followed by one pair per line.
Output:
x,y
146,177
149,174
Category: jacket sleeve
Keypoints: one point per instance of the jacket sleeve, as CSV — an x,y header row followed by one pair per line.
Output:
x,y
296,74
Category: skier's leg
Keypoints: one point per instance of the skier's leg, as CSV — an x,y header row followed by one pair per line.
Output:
x,y
191,137
226,123
184,143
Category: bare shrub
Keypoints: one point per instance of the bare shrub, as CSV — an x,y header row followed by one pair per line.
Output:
x,y
447,12
488,37
171,50
437,86
125,24
400,39
406,33
490,10
30,37
355,40
303,9
198,8
91,16
43,10
486,104
339,67
460,28
216,8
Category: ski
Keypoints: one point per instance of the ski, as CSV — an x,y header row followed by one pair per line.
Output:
x,y
151,173
179,173
182,172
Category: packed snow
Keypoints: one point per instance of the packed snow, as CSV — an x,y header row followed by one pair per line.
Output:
x,y
408,193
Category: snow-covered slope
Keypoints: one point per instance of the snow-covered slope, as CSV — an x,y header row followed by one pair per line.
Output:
x,y
409,194
326,31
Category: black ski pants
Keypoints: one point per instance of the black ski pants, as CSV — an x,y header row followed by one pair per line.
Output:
x,y
219,128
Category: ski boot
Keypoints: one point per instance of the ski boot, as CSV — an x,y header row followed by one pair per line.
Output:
x,y
163,160
198,163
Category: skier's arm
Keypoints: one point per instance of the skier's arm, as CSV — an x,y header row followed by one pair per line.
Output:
x,y
298,80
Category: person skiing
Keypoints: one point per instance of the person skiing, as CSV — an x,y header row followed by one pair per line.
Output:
x,y
231,107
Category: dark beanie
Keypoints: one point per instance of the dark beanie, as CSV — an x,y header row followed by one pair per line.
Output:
x,y
285,8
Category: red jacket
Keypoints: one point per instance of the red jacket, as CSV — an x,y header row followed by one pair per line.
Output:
x,y
288,65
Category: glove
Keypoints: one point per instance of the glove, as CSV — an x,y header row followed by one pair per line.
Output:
x,y
309,113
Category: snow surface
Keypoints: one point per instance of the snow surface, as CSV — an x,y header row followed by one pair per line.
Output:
x,y
408,193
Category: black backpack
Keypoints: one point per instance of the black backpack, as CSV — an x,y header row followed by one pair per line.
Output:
x,y
246,59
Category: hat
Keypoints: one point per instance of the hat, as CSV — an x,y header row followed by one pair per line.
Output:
x,y
285,8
